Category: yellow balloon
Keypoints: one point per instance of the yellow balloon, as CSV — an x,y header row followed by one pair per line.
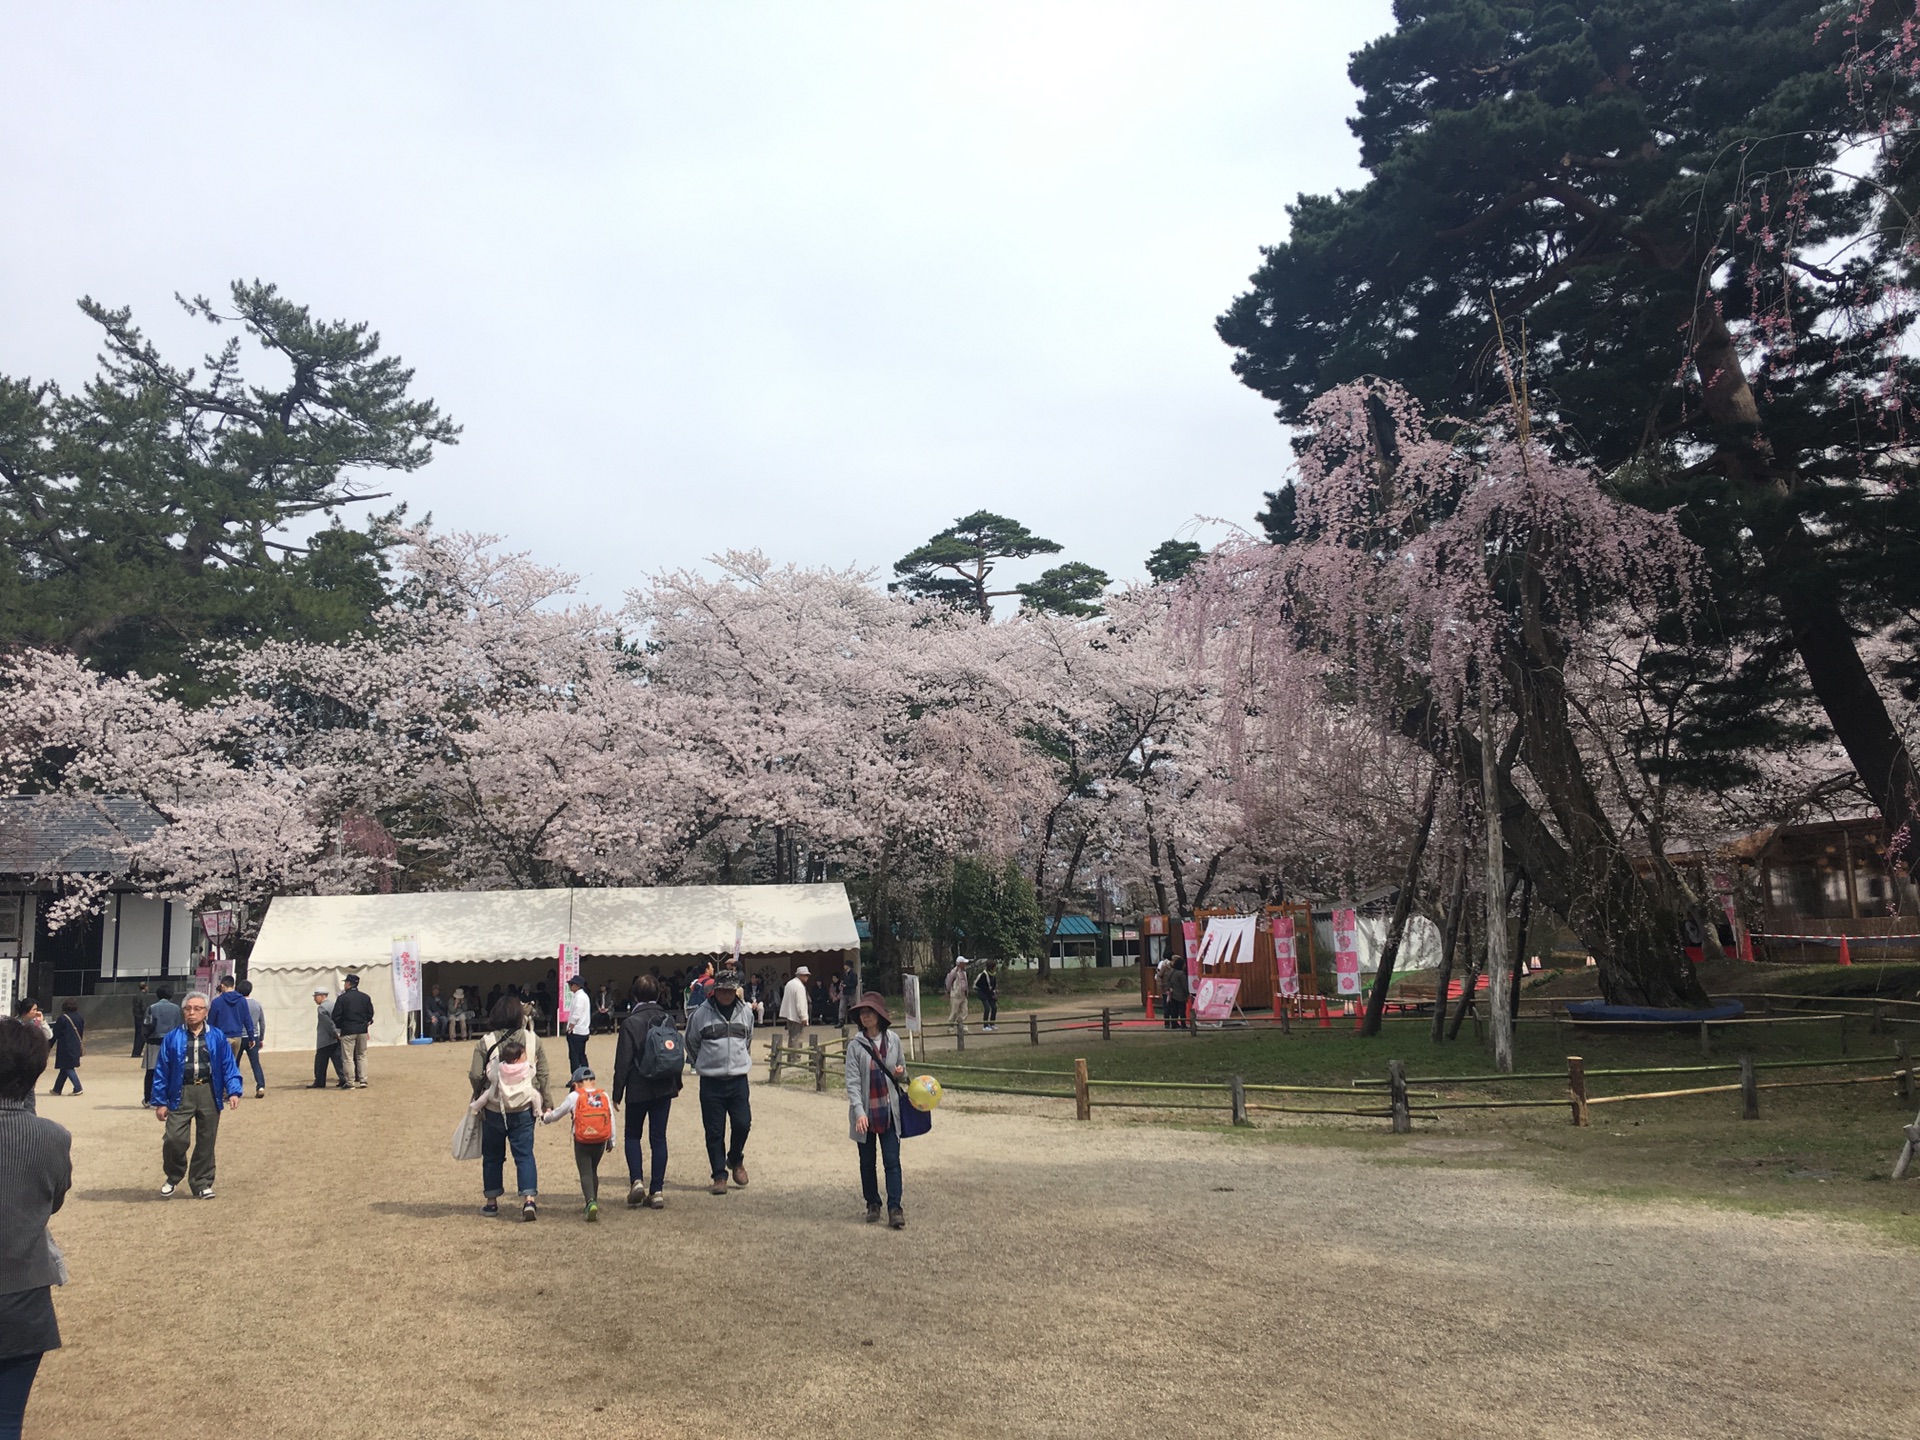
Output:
x,y
923,1092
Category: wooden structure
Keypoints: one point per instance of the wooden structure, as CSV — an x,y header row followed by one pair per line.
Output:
x,y
1259,989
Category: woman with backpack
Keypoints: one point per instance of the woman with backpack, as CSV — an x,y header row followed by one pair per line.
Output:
x,y
647,1064
876,1069
509,1078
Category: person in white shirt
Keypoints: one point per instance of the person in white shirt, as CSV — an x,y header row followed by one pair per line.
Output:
x,y
959,986
794,1006
579,1022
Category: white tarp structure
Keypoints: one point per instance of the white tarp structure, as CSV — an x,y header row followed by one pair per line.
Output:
x,y
1419,945
310,941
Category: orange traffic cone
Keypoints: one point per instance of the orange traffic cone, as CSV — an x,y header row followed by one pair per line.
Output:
x,y
1846,955
1326,1023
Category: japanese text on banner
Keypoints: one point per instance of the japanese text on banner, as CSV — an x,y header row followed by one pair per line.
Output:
x,y
406,973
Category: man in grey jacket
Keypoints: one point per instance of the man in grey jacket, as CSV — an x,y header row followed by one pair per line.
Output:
x,y
720,1041
163,1017
326,1045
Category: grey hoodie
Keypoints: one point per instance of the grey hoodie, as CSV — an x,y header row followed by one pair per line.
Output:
x,y
325,1032
721,1041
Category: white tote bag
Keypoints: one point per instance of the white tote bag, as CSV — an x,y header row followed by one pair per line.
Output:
x,y
466,1137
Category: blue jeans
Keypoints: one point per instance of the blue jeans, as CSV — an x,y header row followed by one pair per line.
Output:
x,y
16,1379
724,1098
497,1132
653,1114
67,1074
884,1146
253,1054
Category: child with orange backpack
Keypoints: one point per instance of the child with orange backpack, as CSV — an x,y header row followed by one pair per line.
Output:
x,y
592,1112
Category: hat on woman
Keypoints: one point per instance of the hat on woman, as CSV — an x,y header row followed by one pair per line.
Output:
x,y
874,1001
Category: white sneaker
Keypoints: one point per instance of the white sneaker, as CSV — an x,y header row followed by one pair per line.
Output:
x,y
207,1194
636,1194
166,1191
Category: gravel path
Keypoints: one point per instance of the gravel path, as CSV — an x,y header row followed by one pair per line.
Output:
x,y
1055,1279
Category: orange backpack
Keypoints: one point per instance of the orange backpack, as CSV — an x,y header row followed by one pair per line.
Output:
x,y
592,1114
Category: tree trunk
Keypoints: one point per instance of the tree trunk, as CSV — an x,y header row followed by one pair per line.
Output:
x,y
1456,903
1520,944
1383,977
1499,966
1803,584
1472,979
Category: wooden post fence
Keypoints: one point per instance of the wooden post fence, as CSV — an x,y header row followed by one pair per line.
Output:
x,y
960,1034
1749,1090
1237,1090
1577,1088
1106,1022
1033,1027
1706,1043
773,1062
1397,1096
1905,1078
1082,1096
819,1058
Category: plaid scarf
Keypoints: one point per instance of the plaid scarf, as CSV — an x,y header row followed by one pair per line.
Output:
x,y
879,1091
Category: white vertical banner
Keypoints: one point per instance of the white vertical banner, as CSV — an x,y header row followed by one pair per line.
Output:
x,y
406,974
910,1004
1346,950
1286,960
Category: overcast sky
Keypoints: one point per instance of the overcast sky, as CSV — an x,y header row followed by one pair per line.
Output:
x,y
812,278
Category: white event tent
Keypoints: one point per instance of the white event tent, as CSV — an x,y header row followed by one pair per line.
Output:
x,y
314,941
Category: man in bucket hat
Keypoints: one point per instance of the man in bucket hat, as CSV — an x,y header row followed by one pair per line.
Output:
x,y
720,1046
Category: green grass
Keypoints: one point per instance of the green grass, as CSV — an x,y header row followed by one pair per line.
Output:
x,y
1826,1151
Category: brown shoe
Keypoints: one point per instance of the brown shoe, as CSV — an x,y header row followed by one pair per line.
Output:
x,y
740,1175
719,1187
896,1218
873,1214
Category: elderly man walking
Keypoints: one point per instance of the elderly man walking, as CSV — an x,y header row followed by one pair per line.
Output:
x,y
195,1074
353,1018
795,1009
326,1044
163,1018
720,1044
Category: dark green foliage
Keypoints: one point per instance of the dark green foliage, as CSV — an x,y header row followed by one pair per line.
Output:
x,y
1074,588
1173,558
1684,204
143,516
956,566
985,910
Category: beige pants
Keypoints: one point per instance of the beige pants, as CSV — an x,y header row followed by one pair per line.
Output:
x,y
959,1016
353,1059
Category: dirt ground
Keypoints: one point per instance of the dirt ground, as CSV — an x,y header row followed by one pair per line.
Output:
x,y
1055,1279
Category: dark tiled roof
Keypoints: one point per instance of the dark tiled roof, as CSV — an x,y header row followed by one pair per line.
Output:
x,y
73,835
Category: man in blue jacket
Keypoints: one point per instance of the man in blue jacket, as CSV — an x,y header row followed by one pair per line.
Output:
x,y
194,1074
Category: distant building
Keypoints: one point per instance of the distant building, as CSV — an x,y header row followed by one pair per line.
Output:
x,y
44,838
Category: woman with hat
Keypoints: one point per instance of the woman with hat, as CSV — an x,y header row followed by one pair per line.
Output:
x,y
873,1104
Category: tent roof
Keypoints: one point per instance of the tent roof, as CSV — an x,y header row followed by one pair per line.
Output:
x,y
338,931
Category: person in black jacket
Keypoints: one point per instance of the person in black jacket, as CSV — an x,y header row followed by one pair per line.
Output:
x,y
648,1099
68,1046
353,1018
141,1000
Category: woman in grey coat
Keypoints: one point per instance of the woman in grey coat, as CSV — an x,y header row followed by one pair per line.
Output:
x,y
873,1104
36,1169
